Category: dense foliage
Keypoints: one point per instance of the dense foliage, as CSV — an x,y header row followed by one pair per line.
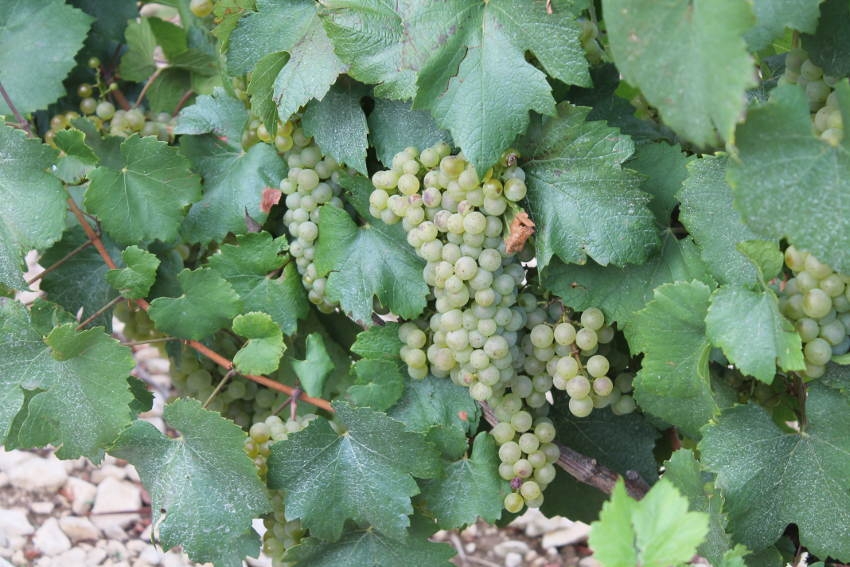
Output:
x,y
420,263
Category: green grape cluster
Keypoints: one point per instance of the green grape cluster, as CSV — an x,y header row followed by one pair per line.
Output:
x,y
256,131
823,103
313,181
817,300
137,325
239,399
114,122
281,534
486,333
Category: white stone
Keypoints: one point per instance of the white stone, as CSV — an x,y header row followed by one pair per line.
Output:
x,y
13,458
158,366
513,559
566,536
75,464
108,471
4,480
82,495
43,508
115,495
14,522
151,555
74,556
78,529
114,531
39,474
135,546
512,545
147,353
50,539
132,473
95,556
589,562
115,550
4,563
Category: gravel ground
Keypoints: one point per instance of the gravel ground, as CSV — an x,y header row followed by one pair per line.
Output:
x,y
72,513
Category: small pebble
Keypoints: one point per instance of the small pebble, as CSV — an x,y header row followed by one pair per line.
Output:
x,y
50,539
82,495
42,507
510,546
79,529
513,559
39,474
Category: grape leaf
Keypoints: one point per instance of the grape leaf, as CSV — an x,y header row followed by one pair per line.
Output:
x,y
673,381
665,166
811,166
440,409
76,158
274,26
620,292
765,255
146,197
752,332
623,443
205,489
312,66
775,478
218,114
174,42
379,384
247,266
394,125
316,367
112,22
233,185
338,125
656,532
32,203
773,16
261,88
688,59
359,548
583,201
829,47
717,227
66,374
380,341
469,489
134,281
365,475
457,82
137,63
261,354
208,303
38,40
684,472
366,261
79,283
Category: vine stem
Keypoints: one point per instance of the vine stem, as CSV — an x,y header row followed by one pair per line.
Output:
x,y
59,262
199,347
147,86
23,123
586,469
99,312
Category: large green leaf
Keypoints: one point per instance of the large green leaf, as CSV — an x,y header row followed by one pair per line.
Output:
x,y
440,409
774,478
673,381
78,398
379,384
134,281
137,63
146,198
688,59
291,26
752,332
621,292
685,473
665,167
205,489
470,487
658,531
218,113
233,185
388,44
339,111
32,202
806,199
394,126
380,341
362,547
583,201
715,225
365,262
38,40
365,475
829,47
250,266
773,16
208,303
